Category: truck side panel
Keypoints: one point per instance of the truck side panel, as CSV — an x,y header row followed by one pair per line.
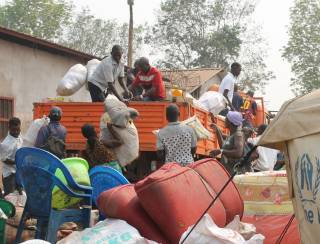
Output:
x,y
152,117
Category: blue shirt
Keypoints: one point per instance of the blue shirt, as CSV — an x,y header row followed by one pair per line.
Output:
x,y
237,101
56,130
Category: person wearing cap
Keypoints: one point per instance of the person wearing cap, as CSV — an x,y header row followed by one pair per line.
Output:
x,y
54,129
150,79
233,148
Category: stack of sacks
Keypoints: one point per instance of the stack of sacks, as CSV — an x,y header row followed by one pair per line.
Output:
x,y
174,197
117,113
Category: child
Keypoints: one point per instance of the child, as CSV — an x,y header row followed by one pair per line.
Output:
x,y
97,153
9,147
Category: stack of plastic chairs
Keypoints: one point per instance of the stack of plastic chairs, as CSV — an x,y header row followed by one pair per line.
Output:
x,y
36,172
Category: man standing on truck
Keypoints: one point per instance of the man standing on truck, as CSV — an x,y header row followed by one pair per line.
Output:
x,y
104,77
52,137
150,79
227,85
176,142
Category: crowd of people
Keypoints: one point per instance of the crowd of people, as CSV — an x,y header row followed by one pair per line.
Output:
x,y
175,143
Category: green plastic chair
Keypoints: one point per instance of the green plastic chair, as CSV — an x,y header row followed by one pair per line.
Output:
x,y
9,210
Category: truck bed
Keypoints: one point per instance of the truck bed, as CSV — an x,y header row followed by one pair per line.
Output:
x,y
152,117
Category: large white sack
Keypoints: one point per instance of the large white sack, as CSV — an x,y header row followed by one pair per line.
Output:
x,y
207,232
72,81
29,139
199,129
107,231
91,67
213,102
119,113
129,150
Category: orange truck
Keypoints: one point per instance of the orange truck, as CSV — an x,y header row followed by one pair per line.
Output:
x,y
152,117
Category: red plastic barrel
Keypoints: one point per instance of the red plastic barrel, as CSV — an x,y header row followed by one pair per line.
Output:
x,y
122,203
216,176
175,197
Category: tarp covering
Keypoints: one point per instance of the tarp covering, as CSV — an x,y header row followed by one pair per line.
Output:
x,y
297,118
296,131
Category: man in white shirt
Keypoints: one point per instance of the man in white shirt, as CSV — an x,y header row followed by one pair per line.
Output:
x,y
106,74
9,147
227,85
267,156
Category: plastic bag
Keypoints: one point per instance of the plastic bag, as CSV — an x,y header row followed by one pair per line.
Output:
x,y
91,67
16,199
73,80
200,130
213,102
207,232
107,231
29,139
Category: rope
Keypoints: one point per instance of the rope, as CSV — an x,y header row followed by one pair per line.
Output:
x,y
285,230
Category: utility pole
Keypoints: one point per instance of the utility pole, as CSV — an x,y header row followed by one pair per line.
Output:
x,y
130,40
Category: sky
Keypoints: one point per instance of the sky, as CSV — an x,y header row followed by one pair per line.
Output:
x,y
272,15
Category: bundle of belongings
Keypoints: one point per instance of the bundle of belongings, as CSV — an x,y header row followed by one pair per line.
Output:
x,y
121,117
147,205
76,77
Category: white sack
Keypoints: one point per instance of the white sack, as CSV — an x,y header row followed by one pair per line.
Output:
x,y
72,81
107,231
207,232
213,102
129,150
29,139
196,125
119,113
91,67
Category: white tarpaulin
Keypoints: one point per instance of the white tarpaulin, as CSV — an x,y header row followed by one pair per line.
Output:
x,y
296,131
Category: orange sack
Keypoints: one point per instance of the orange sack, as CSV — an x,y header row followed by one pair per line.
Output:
x,y
216,176
175,197
122,203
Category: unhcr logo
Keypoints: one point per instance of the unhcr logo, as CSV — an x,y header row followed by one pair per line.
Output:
x,y
308,184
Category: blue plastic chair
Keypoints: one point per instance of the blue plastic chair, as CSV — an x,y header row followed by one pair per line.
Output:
x,y
104,178
35,172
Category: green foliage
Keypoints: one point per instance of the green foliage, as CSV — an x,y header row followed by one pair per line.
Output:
x,y
96,36
210,33
303,48
40,18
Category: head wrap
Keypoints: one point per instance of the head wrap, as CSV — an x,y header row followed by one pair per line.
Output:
x,y
235,118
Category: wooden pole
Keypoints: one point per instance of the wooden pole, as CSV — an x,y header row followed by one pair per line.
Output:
x,y
130,40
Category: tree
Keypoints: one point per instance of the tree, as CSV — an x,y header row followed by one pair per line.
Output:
x,y
41,18
208,33
303,48
96,36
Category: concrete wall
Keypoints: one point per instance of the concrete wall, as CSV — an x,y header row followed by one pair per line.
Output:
x,y
30,75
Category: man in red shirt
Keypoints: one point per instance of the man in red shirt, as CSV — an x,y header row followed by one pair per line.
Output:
x,y
150,79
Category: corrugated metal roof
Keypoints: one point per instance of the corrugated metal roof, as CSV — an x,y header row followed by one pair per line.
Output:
x,y
37,43
191,79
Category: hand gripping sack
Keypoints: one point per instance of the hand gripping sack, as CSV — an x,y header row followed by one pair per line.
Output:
x,y
213,102
72,81
120,115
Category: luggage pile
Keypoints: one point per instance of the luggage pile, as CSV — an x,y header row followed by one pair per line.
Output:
x,y
163,205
